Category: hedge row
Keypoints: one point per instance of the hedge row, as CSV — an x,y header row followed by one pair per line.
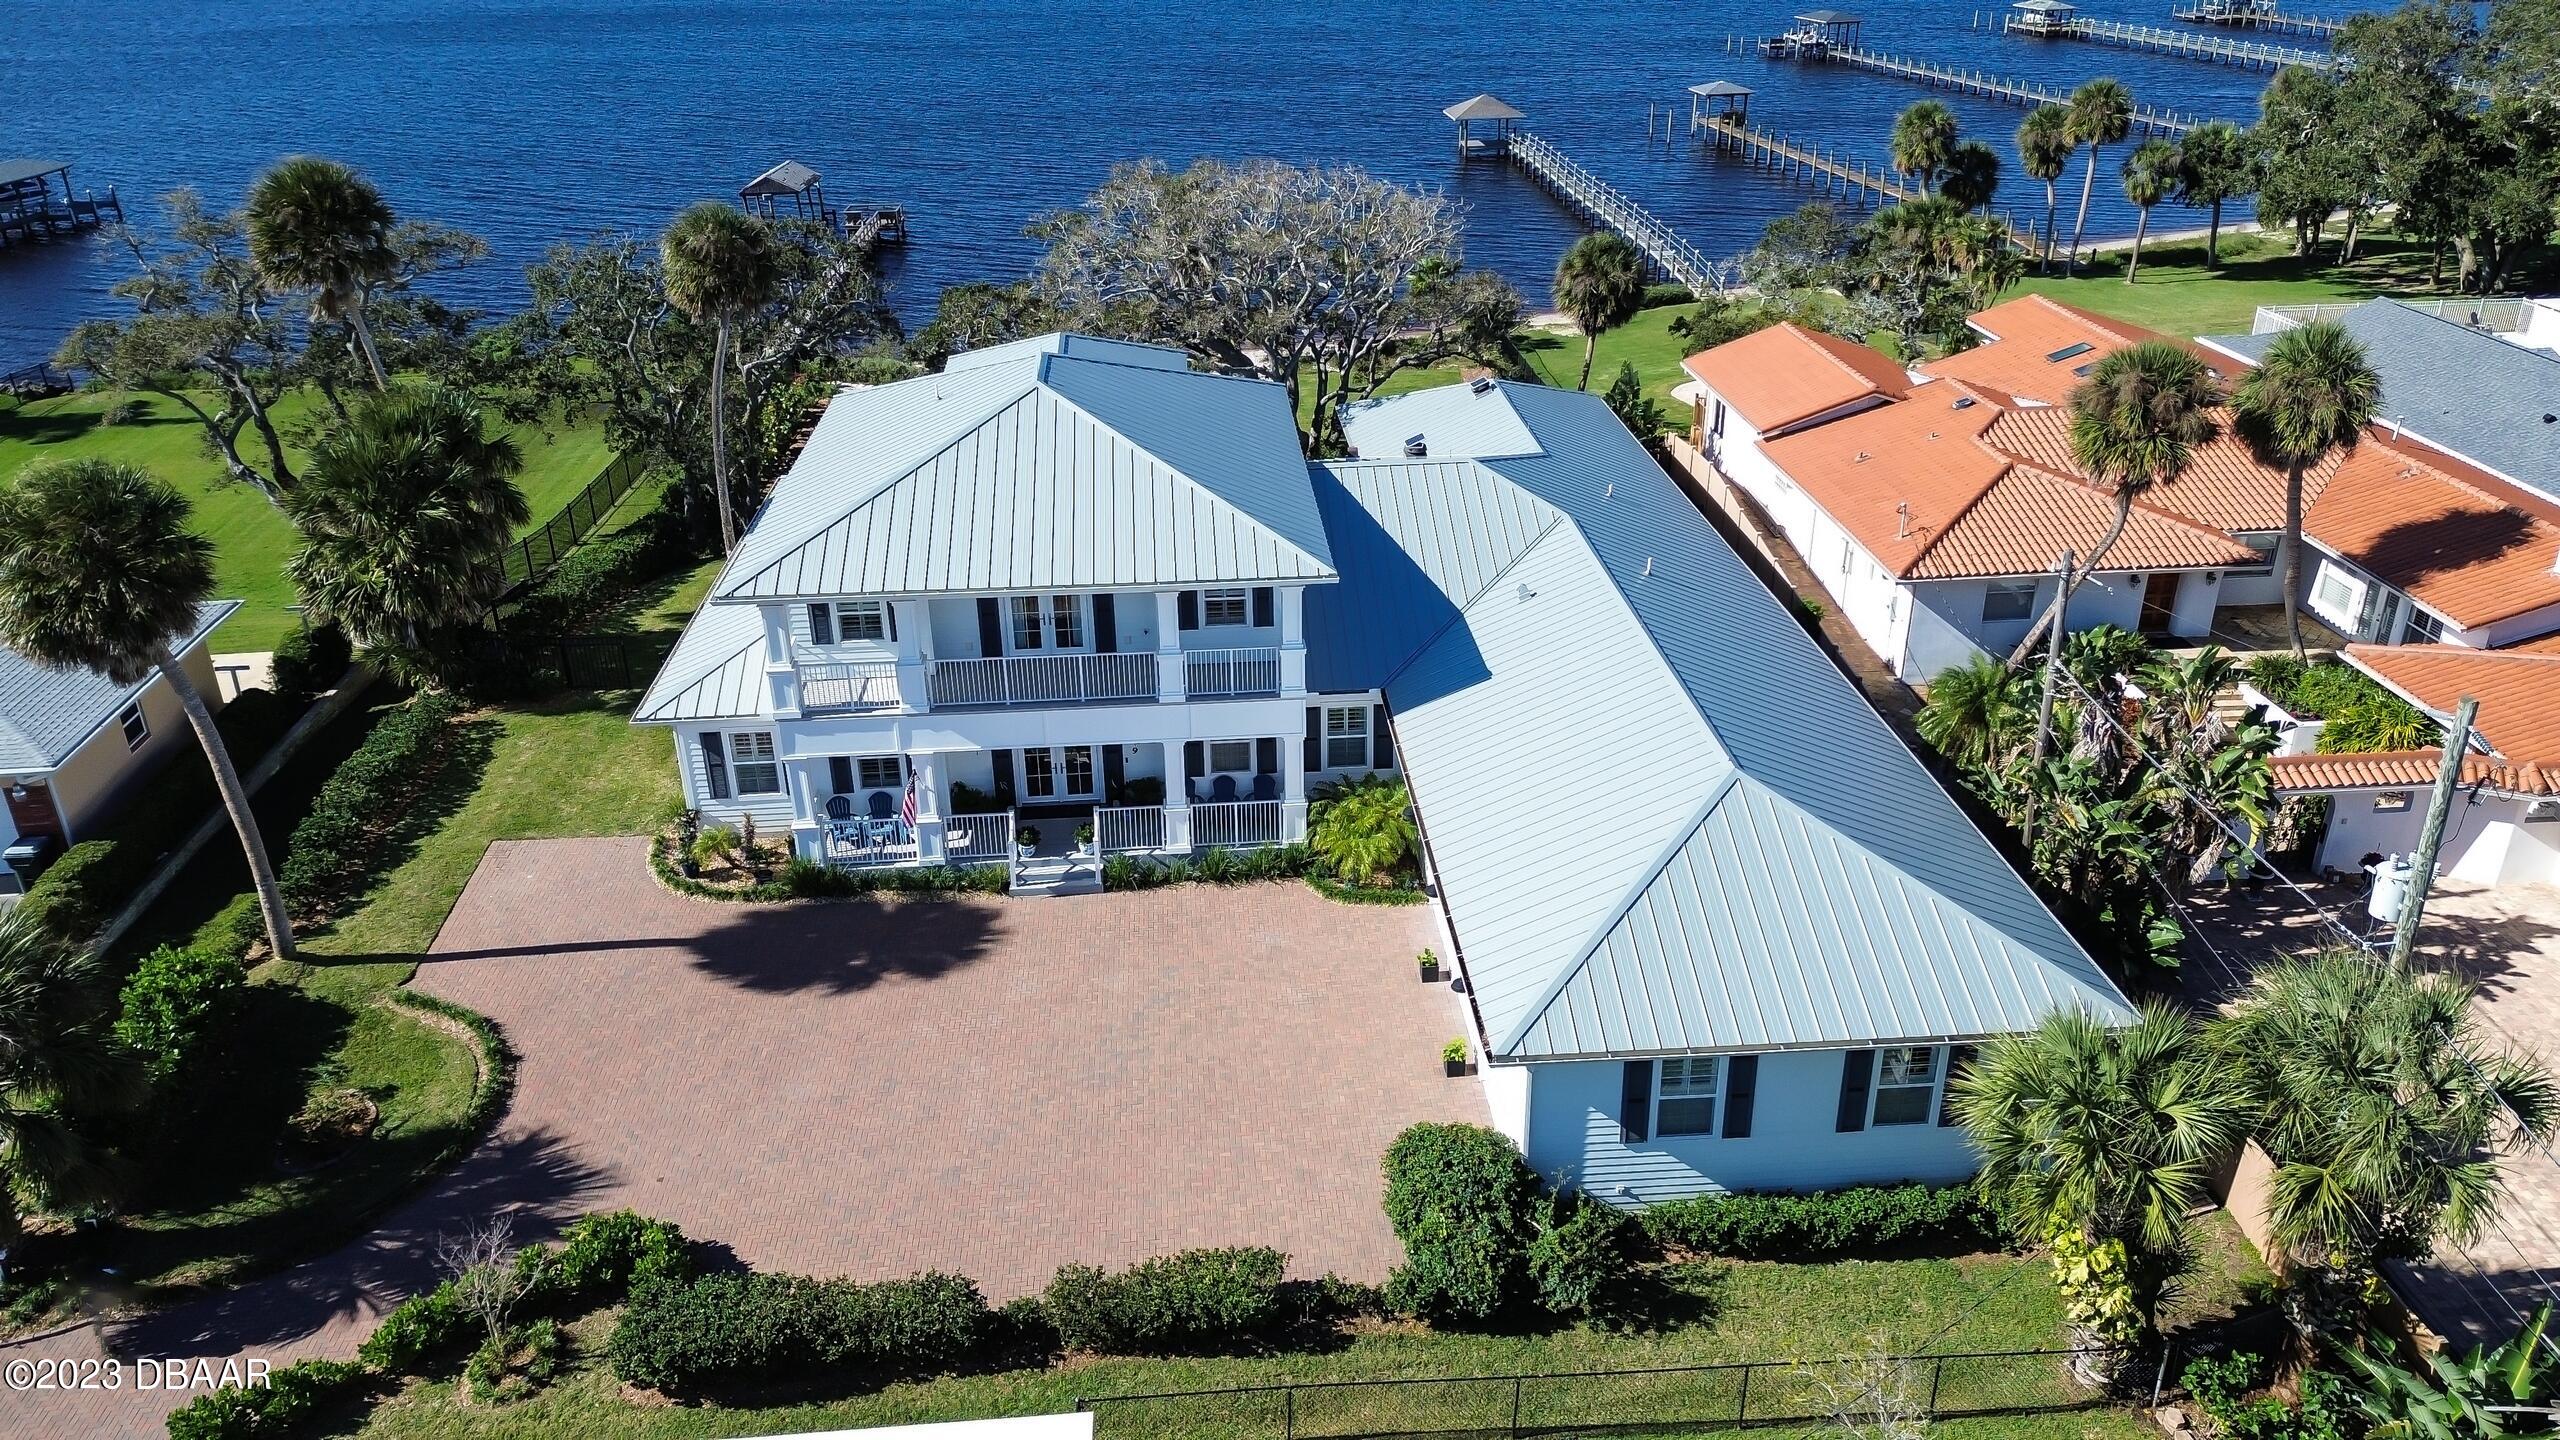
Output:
x,y
598,1259
287,1402
1797,1227
1198,1300
802,879
591,578
680,1335
1216,866
331,854
84,887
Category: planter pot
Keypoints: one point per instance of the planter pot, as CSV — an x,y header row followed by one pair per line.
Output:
x,y
1025,853
1430,974
1455,1068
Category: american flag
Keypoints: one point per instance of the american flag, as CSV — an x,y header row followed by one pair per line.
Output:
x,y
907,808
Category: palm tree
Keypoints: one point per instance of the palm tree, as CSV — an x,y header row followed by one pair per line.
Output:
x,y
2045,148
1973,175
1982,250
2135,422
2105,1130
58,1059
1976,713
2150,174
2217,162
1599,286
2314,392
314,224
2101,114
405,512
2383,1103
98,571
1362,829
1924,139
720,267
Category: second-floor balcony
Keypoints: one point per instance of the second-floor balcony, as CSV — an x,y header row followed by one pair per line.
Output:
x,y
834,688
1066,679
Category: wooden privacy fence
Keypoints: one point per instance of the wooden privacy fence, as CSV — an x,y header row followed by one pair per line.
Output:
x,y
536,553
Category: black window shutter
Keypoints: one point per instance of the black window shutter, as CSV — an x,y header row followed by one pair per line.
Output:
x,y
1266,756
990,626
1189,605
1106,625
1315,738
1115,775
715,765
822,624
1741,1087
840,774
1262,606
889,613
1635,1101
1003,761
1959,1060
1382,750
1195,759
1857,1067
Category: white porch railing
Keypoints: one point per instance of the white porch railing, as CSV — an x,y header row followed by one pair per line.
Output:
x,y
1251,671
844,689
2497,315
1235,825
863,844
1044,679
1123,828
978,839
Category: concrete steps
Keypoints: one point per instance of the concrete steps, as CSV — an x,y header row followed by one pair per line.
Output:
x,y
1049,875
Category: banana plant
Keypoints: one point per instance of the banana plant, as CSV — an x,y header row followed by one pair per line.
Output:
x,y
2478,1395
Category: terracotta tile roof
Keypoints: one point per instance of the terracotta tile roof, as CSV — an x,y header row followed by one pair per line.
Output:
x,y
2026,335
2224,486
1785,374
2518,691
1972,510
2384,770
2460,541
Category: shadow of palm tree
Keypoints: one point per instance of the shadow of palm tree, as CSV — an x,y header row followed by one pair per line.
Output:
x,y
841,947
2413,550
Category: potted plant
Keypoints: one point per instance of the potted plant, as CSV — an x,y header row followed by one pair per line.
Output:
x,y
1026,841
1453,1056
1430,964
1084,838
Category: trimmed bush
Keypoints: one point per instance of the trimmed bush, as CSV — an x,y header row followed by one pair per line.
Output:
x,y
1199,1301
810,880
234,928
282,1406
1215,867
332,851
1582,1256
1459,1197
175,1010
309,661
598,1260
77,894
1769,1226
417,1330
680,1335
591,578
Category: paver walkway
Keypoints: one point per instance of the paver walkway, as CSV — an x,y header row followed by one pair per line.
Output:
x,y
868,1089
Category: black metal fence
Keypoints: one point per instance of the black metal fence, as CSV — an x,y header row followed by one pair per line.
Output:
x,y
539,551
546,664
1673,1399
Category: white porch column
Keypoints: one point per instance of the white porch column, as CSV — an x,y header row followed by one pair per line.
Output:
x,y
914,621
1177,800
928,773
1170,677
1293,788
807,779
781,676
1293,640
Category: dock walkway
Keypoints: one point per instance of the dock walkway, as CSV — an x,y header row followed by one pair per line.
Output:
x,y
1783,156
2209,12
2148,119
2218,49
1605,205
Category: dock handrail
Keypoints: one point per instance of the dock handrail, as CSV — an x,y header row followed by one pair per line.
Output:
x,y
1604,204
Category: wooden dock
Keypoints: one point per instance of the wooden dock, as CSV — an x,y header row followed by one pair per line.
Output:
x,y
37,203
1830,174
2147,119
2253,17
2186,44
870,225
1605,206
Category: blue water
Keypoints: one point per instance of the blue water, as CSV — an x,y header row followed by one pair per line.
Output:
x,y
534,121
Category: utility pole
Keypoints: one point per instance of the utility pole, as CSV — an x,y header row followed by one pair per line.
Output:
x,y
2422,866
2044,703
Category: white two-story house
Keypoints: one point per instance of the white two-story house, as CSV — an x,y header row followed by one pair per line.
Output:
x,y
1715,926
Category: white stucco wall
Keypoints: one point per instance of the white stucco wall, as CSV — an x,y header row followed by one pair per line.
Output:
x,y
2487,840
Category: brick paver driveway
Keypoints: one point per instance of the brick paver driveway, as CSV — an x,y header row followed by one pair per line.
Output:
x,y
992,1087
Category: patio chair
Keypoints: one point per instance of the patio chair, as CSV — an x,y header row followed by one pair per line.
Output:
x,y
1223,789
1266,787
881,806
839,807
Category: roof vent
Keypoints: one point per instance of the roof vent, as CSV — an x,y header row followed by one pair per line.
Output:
x,y
1648,565
2549,418
1612,492
1861,460
1902,521
1415,448
1481,385
1527,594
1964,402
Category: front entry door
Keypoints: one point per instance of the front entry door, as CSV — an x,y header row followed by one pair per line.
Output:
x,y
2159,601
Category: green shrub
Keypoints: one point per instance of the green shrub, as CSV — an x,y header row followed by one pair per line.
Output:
x,y
282,1406
2362,715
1797,1226
1362,829
606,1255
416,1331
77,894
715,845
594,576
677,1335
1582,1255
331,854
1459,1197
233,929
309,661
1199,1301
177,1010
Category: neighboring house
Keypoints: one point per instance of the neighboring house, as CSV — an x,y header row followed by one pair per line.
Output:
x,y
1709,941
2505,824
73,744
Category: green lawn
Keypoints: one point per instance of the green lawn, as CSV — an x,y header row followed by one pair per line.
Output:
x,y
250,539
1646,341
1730,1312
2174,293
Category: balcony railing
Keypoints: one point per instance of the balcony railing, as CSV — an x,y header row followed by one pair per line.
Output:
x,y
1121,828
861,844
1044,680
1211,673
1235,825
847,689
985,839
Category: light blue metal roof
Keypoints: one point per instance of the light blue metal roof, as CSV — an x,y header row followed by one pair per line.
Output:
x,y
47,714
1040,468
1067,342
715,672
1663,819
2458,388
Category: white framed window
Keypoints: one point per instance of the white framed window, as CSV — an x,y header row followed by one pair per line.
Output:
x,y
1225,607
1687,1103
2265,545
1066,621
2008,600
1906,1085
752,766
136,725
1346,737
879,772
1056,773
2421,628
1027,634
862,620
1039,773
1045,622
2338,594
1230,757
1079,769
